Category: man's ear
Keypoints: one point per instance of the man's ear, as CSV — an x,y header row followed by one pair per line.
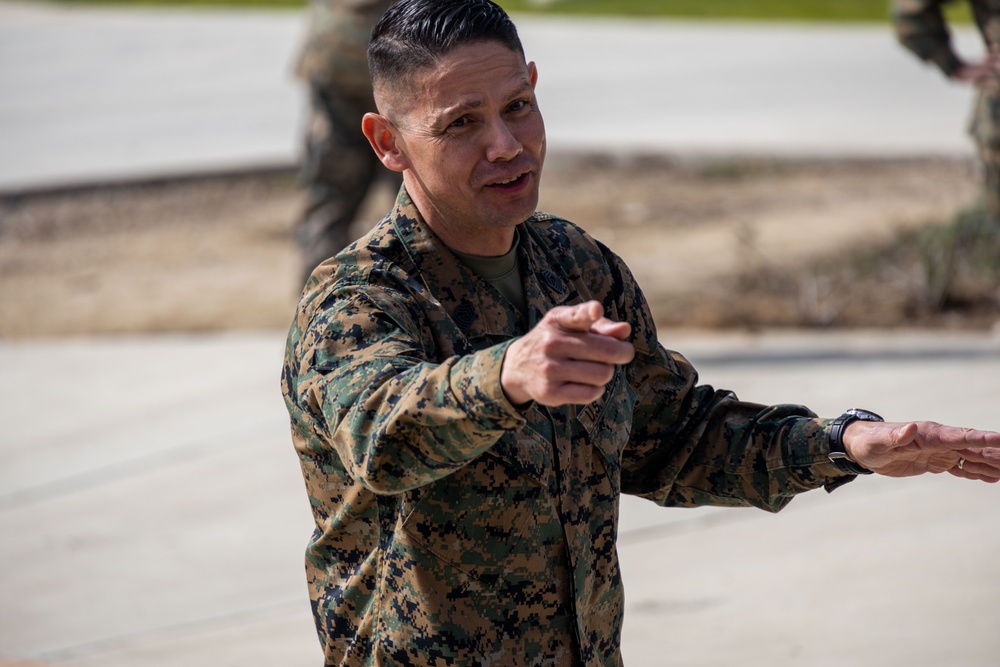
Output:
x,y
381,135
532,74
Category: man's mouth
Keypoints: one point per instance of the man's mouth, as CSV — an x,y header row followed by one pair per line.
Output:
x,y
507,182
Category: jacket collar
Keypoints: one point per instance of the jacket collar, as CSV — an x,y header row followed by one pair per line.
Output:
x,y
475,305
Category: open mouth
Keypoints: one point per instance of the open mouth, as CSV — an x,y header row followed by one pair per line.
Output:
x,y
510,182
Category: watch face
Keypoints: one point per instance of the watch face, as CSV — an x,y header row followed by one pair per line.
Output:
x,y
864,415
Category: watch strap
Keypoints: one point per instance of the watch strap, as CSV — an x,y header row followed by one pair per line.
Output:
x,y
838,454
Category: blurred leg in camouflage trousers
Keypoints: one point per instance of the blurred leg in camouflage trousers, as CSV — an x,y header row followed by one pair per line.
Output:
x,y
990,156
338,169
338,165
985,130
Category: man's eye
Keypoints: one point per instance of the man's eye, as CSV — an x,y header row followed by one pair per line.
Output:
x,y
460,122
520,105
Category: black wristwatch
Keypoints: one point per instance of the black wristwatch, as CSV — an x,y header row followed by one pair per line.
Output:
x,y
838,455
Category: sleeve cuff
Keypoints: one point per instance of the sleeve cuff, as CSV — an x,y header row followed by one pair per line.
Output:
x,y
478,383
810,440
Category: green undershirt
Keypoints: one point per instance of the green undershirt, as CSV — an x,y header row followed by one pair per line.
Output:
x,y
502,272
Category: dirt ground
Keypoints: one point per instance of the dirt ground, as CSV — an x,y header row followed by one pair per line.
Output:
x,y
216,253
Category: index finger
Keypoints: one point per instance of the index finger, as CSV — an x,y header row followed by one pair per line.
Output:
x,y
579,318
606,327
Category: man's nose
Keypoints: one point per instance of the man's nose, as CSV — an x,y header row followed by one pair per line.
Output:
x,y
502,145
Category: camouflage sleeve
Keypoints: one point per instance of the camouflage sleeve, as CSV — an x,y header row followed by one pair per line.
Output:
x,y
362,387
694,445
920,26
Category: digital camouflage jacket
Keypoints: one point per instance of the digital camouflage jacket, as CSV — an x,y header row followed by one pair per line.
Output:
x,y
454,529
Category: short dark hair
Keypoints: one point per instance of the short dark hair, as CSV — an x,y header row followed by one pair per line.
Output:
x,y
415,34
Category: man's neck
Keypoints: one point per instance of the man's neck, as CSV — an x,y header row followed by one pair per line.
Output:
x,y
477,241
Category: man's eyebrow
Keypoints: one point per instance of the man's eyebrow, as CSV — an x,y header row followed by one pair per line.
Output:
x,y
461,108
464,107
524,86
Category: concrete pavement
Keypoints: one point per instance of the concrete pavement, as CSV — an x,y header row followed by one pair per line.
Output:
x,y
95,93
153,514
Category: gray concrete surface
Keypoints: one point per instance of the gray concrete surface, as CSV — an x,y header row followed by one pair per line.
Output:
x,y
92,93
153,514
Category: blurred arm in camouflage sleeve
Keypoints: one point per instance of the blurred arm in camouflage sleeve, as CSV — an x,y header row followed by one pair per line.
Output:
x,y
921,27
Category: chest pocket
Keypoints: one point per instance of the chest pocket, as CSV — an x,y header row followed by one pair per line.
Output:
x,y
607,424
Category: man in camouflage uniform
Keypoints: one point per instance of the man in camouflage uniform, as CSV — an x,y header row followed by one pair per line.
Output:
x,y
338,166
472,385
920,26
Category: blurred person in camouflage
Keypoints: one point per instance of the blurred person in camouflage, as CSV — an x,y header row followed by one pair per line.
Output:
x,y
473,384
338,167
921,27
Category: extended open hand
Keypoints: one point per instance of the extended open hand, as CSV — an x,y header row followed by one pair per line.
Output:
x,y
904,449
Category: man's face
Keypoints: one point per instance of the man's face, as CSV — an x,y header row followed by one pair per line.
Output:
x,y
474,143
